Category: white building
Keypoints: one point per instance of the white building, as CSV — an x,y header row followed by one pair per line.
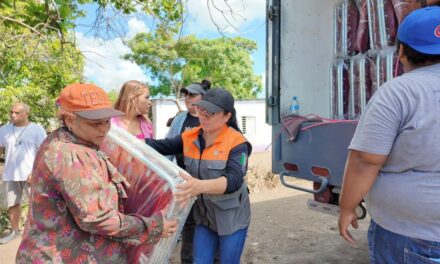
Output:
x,y
250,117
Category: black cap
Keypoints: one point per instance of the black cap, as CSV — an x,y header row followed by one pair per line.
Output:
x,y
194,88
216,100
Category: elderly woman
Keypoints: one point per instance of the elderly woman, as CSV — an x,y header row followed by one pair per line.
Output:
x,y
76,210
134,101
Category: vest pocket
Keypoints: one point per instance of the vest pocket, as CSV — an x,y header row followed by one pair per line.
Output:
x,y
225,203
215,169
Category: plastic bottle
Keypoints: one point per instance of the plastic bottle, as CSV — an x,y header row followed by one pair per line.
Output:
x,y
294,106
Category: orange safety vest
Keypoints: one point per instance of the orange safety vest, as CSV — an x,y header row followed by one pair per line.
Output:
x,y
225,213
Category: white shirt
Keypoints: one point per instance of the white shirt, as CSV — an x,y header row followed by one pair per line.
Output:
x,y
21,145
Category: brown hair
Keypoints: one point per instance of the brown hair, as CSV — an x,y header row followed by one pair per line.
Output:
x,y
129,91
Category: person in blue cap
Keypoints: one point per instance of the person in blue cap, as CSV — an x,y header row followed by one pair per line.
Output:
x,y
394,158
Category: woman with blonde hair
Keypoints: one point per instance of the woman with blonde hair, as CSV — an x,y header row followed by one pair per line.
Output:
x,y
134,101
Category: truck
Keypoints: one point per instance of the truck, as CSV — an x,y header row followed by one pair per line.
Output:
x,y
331,55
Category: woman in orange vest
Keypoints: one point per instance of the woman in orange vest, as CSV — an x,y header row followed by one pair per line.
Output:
x,y
215,154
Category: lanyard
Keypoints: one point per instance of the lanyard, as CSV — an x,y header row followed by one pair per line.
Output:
x,y
18,139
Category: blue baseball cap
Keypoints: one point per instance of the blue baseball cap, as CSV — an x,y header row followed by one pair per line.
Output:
x,y
421,30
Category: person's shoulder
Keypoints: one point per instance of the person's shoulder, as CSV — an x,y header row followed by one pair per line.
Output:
x,y
397,87
6,126
145,119
236,136
66,153
179,118
37,126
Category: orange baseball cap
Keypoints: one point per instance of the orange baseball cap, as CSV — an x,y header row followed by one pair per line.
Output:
x,y
87,101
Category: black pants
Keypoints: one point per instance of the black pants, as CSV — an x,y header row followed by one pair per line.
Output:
x,y
186,251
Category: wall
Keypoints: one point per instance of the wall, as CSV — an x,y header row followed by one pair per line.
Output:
x,y
259,133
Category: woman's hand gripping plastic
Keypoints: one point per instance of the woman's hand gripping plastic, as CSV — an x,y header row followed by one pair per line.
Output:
x,y
187,189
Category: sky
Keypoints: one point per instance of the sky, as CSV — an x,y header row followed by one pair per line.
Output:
x,y
105,67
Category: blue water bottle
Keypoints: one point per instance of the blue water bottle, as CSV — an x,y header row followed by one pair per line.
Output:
x,y
294,106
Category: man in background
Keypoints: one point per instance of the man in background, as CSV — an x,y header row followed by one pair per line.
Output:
x,y
20,139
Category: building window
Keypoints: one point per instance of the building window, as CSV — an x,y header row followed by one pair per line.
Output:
x,y
248,125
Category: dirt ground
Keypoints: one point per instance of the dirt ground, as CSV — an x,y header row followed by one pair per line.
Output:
x,y
282,230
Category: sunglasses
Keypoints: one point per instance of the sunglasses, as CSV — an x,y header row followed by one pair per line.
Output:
x,y
204,112
190,95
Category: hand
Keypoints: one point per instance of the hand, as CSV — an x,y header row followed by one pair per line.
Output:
x,y
345,219
411,5
169,226
187,189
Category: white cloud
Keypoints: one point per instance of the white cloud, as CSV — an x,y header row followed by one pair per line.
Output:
x,y
136,26
104,64
247,11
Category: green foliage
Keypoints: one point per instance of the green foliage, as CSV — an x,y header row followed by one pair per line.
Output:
x,y
113,95
4,218
34,70
39,54
41,103
174,63
48,17
4,222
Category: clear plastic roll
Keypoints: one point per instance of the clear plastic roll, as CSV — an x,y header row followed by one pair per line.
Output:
x,y
153,180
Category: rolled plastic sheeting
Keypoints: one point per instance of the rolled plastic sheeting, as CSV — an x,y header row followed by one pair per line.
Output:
x,y
362,35
360,85
340,87
352,26
153,180
346,19
340,43
399,6
387,66
382,23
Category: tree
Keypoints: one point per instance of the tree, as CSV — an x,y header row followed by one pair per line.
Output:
x,y
113,95
58,17
175,62
33,71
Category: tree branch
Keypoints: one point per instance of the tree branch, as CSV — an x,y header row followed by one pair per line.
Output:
x,y
21,24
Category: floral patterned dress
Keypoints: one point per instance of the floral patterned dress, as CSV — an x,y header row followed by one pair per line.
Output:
x,y
76,213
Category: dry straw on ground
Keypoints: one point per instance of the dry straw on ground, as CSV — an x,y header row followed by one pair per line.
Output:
x,y
259,179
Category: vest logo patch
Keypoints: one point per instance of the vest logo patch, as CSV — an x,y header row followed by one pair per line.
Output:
x,y
243,162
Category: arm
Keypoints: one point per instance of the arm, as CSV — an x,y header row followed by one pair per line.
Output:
x,y
167,146
236,168
370,147
93,201
41,135
360,173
